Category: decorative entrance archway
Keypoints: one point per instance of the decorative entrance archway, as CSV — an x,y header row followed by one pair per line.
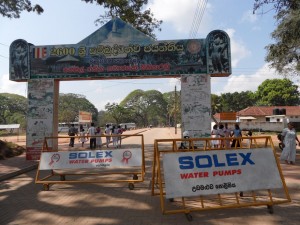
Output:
x,y
118,51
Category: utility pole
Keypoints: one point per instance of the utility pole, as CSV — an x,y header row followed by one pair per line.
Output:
x,y
175,110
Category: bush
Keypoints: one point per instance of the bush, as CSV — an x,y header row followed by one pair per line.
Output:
x,y
9,149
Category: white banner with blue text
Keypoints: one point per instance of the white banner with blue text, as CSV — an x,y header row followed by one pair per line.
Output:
x,y
91,159
189,174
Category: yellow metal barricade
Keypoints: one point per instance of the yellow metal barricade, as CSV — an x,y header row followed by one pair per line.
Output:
x,y
102,171
163,148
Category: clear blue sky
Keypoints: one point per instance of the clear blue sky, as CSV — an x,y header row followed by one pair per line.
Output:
x,y
70,21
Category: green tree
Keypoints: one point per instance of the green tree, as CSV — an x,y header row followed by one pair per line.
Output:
x,y
117,112
132,103
216,106
70,105
284,55
145,107
156,107
13,9
13,109
130,11
277,92
103,118
233,102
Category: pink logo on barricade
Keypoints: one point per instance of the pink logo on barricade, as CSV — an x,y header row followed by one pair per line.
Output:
x,y
54,158
126,156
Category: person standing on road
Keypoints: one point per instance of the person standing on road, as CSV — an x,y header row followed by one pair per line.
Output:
x,y
237,134
215,134
107,133
289,135
91,134
82,137
119,132
98,138
114,131
72,132
227,133
221,135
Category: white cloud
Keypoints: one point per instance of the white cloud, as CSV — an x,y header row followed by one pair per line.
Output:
x,y
249,82
180,13
174,81
248,16
7,86
238,50
100,105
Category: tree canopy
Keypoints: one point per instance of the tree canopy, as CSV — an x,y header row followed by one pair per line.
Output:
x,y
272,92
13,109
284,54
146,107
70,105
277,92
131,11
152,107
117,112
13,9
233,102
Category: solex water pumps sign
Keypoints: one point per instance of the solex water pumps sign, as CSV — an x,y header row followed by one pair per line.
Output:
x,y
214,172
121,158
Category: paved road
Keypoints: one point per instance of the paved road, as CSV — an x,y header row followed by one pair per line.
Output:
x,y
23,202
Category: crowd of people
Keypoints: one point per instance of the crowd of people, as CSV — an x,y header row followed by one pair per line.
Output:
x,y
224,137
94,136
233,138
223,131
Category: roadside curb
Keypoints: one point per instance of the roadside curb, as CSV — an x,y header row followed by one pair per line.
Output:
x,y
18,172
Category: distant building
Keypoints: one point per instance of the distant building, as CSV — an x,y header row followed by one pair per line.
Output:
x,y
261,118
225,117
268,118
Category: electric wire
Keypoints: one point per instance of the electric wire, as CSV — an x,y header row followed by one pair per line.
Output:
x,y
200,9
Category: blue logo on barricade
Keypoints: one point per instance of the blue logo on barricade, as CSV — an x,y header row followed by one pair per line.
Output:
x,y
90,155
208,161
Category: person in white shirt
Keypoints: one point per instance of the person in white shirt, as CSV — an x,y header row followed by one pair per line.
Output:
x,y
107,133
82,138
215,134
119,131
91,133
221,135
98,138
227,133
114,131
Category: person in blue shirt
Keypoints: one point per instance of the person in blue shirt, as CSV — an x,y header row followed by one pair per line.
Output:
x,y
236,133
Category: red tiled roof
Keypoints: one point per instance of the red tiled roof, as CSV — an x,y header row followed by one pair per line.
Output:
x,y
268,110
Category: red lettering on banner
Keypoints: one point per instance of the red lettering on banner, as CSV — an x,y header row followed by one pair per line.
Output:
x,y
100,160
226,172
121,68
73,69
95,69
193,175
79,161
163,67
